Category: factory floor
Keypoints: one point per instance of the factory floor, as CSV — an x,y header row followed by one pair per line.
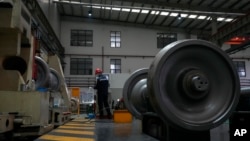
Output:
x,y
82,129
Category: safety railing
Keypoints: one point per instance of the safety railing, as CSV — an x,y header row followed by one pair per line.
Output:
x,y
80,81
244,82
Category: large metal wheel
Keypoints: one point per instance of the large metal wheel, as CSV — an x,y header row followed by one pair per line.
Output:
x,y
43,73
135,93
193,84
55,81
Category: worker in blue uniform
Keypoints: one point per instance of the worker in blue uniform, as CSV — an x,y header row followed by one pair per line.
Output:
x,y
102,85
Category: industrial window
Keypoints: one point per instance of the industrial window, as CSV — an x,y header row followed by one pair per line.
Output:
x,y
115,66
164,39
82,38
115,39
240,66
81,66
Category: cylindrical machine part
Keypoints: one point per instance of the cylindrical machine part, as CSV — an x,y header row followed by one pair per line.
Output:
x,y
135,93
74,104
43,73
54,81
191,84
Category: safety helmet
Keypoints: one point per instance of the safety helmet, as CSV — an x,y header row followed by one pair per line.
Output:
x,y
98,71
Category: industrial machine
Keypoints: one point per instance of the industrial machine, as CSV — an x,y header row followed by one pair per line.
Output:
x,y
34,96
191,87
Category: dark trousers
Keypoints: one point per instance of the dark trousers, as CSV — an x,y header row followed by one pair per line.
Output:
x,y
103,100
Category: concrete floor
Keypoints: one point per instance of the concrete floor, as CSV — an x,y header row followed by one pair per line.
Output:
x,y
107,130
81,129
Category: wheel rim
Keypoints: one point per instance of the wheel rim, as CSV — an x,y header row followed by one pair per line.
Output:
x,y
169,79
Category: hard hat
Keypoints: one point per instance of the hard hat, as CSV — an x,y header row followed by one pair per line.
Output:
x,y
98,71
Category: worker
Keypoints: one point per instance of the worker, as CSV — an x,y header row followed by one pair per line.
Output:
x,y
102,85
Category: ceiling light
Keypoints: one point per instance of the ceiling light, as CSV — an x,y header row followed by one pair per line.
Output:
x,y
97,7
125,9
136,10
228,20
192,16
155,12
116,9
174,14
220,19
90,13
164,13
184,15
145,11
201,17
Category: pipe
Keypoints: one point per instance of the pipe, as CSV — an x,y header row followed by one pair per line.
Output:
x,y
102,58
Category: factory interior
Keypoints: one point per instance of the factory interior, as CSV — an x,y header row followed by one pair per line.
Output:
x,y
124,70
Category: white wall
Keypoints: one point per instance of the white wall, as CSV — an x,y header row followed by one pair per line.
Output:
x,y
135,41
141,43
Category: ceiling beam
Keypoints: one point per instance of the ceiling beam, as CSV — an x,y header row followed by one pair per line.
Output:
x,y
185,6
132,24
191,9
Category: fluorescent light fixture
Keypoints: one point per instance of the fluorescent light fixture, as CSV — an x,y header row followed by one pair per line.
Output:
x,y
108,8
155,12
220,19
136,10
76,2
192,16
174,14
97,7
116,9
125,9
228,20
184,15
59,0
202,17
164,13
145,11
